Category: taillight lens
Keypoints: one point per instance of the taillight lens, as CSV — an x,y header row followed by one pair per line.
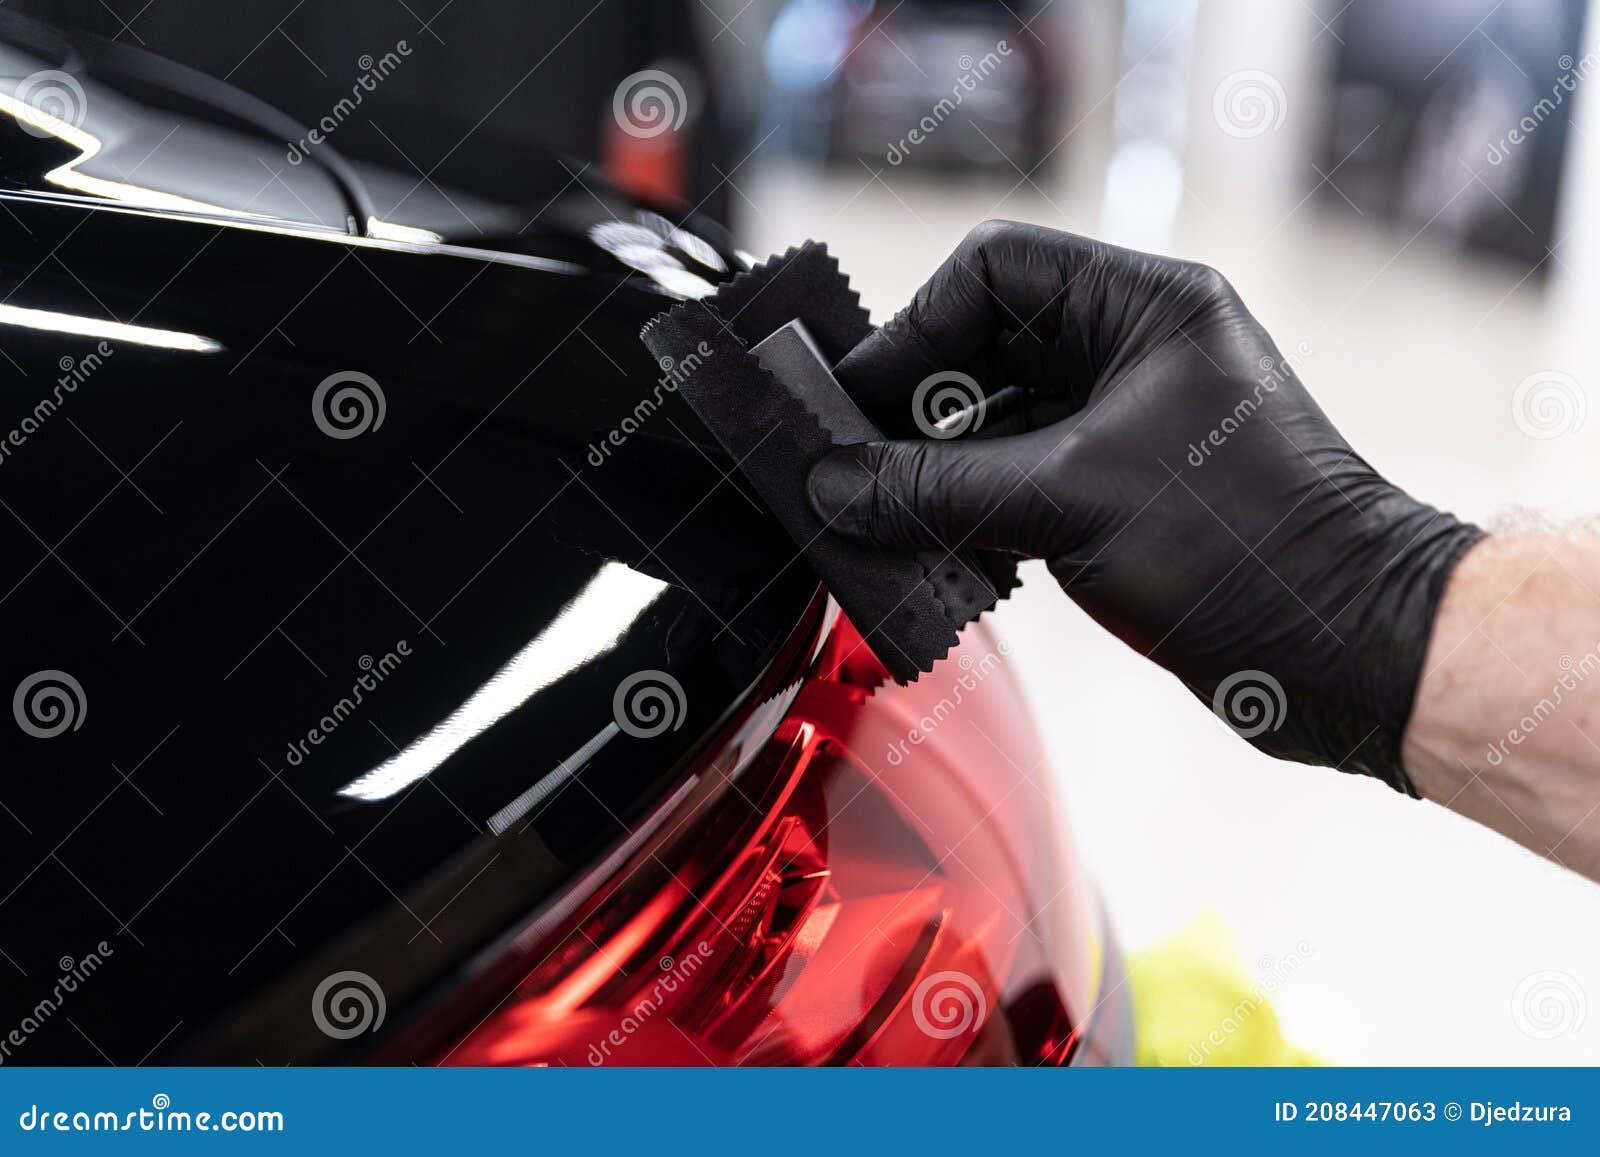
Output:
x,y
884,884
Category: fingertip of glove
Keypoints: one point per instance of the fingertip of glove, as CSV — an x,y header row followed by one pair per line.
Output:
x,y
875,371
839,487
855,369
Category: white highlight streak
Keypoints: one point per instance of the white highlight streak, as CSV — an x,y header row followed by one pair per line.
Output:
x,y
591,623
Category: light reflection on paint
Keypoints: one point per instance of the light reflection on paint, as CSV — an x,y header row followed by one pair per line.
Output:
x,y
88,145
591,624
697,248
53,322
643,247
682,283
382,234
389,231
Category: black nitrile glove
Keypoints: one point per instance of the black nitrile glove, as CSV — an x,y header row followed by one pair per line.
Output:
x,y
1182,484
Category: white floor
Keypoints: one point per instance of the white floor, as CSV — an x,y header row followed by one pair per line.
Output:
x,y
1424,931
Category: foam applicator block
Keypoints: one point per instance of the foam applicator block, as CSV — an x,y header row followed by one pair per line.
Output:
x,y
761,383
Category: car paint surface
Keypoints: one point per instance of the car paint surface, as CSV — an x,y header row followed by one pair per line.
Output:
x,y
326,557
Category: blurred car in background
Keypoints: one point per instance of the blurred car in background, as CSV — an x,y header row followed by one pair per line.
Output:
x,y
1459,122
946,84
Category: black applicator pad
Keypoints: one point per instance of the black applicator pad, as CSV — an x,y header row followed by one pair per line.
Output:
x,y
757,355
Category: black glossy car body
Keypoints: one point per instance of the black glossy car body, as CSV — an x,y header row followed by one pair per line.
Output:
x,y
311,648
393,658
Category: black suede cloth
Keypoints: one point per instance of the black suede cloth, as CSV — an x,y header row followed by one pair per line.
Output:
x,y
764,389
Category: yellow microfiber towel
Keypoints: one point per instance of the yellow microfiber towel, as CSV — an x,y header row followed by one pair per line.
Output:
x,y
1194,1005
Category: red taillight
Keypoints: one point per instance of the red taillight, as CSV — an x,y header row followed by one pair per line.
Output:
x,y
884,884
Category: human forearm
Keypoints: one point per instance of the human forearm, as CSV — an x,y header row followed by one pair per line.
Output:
x,y
1506,725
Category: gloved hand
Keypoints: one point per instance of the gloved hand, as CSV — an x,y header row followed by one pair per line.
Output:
x,y
1182,484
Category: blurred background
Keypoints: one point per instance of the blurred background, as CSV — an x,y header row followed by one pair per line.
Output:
x,y
1397,190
